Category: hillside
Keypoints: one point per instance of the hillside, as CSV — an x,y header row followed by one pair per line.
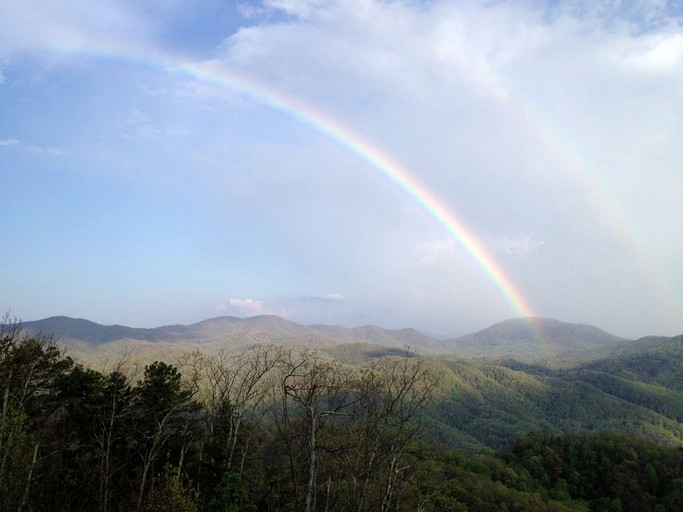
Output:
x,y
273,406
380,336
92,333
497,385
537,339
102,344
487,404
530,340
67,329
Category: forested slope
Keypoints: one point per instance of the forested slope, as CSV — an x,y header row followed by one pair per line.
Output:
x,y
282,429
488,404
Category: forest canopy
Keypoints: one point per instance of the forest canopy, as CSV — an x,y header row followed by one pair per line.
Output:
x,y
279,429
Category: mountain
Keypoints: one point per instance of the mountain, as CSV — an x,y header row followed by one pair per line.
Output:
x,y
632,387
65,328
380,336
537,339
96,343
92,333
524,339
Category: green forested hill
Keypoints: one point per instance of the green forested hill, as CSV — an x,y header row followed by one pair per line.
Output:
x,y
637,387
606,471
539,340
487,404
602,472
282,429
658,363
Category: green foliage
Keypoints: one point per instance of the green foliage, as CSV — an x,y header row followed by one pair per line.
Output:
x,y
172,493
609,471
15,456
280,430
488,404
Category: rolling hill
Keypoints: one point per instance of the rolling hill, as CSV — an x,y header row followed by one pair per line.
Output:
x,y
497,385
531,340
78,329
487,404
537,339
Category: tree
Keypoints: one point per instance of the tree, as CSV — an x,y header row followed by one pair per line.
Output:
x,y
29,368
395,391
344,434
110,432
171,493
161,408
317,392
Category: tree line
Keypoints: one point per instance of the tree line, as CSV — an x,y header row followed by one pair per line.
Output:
x,y
276,429
267,429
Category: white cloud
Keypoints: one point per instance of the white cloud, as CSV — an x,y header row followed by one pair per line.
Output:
x,y
657,53
429,253
330,297
47,151
522,245
300,8
62,28
140,125
50,151
247,306
249,10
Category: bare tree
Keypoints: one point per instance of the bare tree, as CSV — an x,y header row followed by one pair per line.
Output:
x,y
391,394
316,395
115,407
407,389
237,386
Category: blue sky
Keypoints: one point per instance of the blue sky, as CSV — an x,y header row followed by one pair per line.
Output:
x,y
136,194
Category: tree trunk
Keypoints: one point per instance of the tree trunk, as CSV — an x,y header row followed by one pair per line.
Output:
x,y
24,499
310,492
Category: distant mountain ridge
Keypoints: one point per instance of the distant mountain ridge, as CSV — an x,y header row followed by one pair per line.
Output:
x,y
495,385
266,326
94,333
544,337
526,339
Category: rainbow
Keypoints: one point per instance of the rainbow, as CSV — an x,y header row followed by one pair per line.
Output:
x,y
596,193
371,154
213,74
581,173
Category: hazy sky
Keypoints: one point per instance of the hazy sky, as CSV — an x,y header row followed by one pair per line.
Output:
x,y
162,162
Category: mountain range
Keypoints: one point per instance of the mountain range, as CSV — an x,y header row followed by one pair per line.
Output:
x,y
494,429
496,385
524,339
